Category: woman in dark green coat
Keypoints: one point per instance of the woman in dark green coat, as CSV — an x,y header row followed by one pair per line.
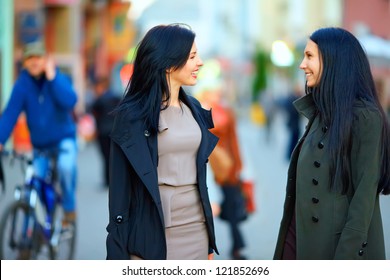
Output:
x,y
341,164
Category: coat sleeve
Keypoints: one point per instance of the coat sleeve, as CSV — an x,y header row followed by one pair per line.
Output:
x,y
365,170
118,205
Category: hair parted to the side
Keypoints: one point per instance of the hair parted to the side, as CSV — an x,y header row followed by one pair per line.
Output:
x,y
163,48
346,76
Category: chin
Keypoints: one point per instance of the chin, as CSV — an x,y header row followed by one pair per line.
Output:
x,y
191,83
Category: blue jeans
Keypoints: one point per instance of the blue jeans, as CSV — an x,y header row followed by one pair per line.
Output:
x,y
66,168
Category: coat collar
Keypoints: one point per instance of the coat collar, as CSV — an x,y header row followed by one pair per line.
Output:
x,y
305,105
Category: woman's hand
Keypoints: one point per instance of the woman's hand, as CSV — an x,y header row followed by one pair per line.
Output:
x,y
215,209
211,256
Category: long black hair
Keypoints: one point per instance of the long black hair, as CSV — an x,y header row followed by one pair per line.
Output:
x,y
346,76
163,48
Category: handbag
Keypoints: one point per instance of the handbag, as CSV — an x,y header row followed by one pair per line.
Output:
x,y
233,206
248,190
220,163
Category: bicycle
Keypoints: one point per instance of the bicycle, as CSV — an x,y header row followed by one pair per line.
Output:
x,y
31,226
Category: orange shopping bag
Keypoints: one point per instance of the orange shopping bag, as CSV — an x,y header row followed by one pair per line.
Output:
x,y
249,194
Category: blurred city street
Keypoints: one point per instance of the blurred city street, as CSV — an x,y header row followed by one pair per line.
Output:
x,y
252,49
265,163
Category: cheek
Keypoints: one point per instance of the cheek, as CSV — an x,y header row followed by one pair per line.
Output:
x,y
36,68
188,69
318,72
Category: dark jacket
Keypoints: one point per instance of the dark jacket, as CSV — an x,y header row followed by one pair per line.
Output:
x,y
101,109
136,225
330,225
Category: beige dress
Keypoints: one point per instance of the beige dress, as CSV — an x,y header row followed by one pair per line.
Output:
x,y
178,142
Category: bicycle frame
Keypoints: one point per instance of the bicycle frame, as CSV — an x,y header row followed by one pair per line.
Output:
x,y
42,198
41,224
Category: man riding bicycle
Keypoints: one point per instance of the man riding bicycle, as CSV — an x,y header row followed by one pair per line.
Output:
x,y
47,98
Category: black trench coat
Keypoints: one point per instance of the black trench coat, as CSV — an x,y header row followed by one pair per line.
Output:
x,y
136,223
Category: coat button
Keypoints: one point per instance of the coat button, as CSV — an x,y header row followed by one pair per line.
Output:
x,y
364,244
147,133
320,145
324,129
361,252
314,219
315,200
317,164
315,182
119,219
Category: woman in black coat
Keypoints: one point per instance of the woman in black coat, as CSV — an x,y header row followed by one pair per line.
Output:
x,y
158,124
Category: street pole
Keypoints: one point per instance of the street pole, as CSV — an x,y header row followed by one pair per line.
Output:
x,y
6,50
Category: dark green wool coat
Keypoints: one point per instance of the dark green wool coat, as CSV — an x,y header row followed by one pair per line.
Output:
x,y
330,225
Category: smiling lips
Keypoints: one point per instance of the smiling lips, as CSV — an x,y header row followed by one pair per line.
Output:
x,y
194,74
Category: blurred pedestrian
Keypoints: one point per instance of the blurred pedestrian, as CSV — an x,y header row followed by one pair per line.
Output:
x,y
340,166
48,100
159,206
102,106
227,168
293,118
267,103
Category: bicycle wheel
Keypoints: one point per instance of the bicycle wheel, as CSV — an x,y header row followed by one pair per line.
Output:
x,y
19,234
63,241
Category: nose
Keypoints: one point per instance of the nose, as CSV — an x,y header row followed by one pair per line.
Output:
x,y
302,65
200,62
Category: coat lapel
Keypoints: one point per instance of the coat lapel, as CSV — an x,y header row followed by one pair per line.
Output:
x,y
139,146
205,122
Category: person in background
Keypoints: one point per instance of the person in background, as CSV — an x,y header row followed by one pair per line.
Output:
x,y
48,100
232,207
159,206
341,164
293,118
103,104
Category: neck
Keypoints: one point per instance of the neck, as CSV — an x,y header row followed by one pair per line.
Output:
x,y
174,99
174,89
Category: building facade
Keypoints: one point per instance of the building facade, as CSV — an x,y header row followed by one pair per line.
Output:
x,y
370,21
